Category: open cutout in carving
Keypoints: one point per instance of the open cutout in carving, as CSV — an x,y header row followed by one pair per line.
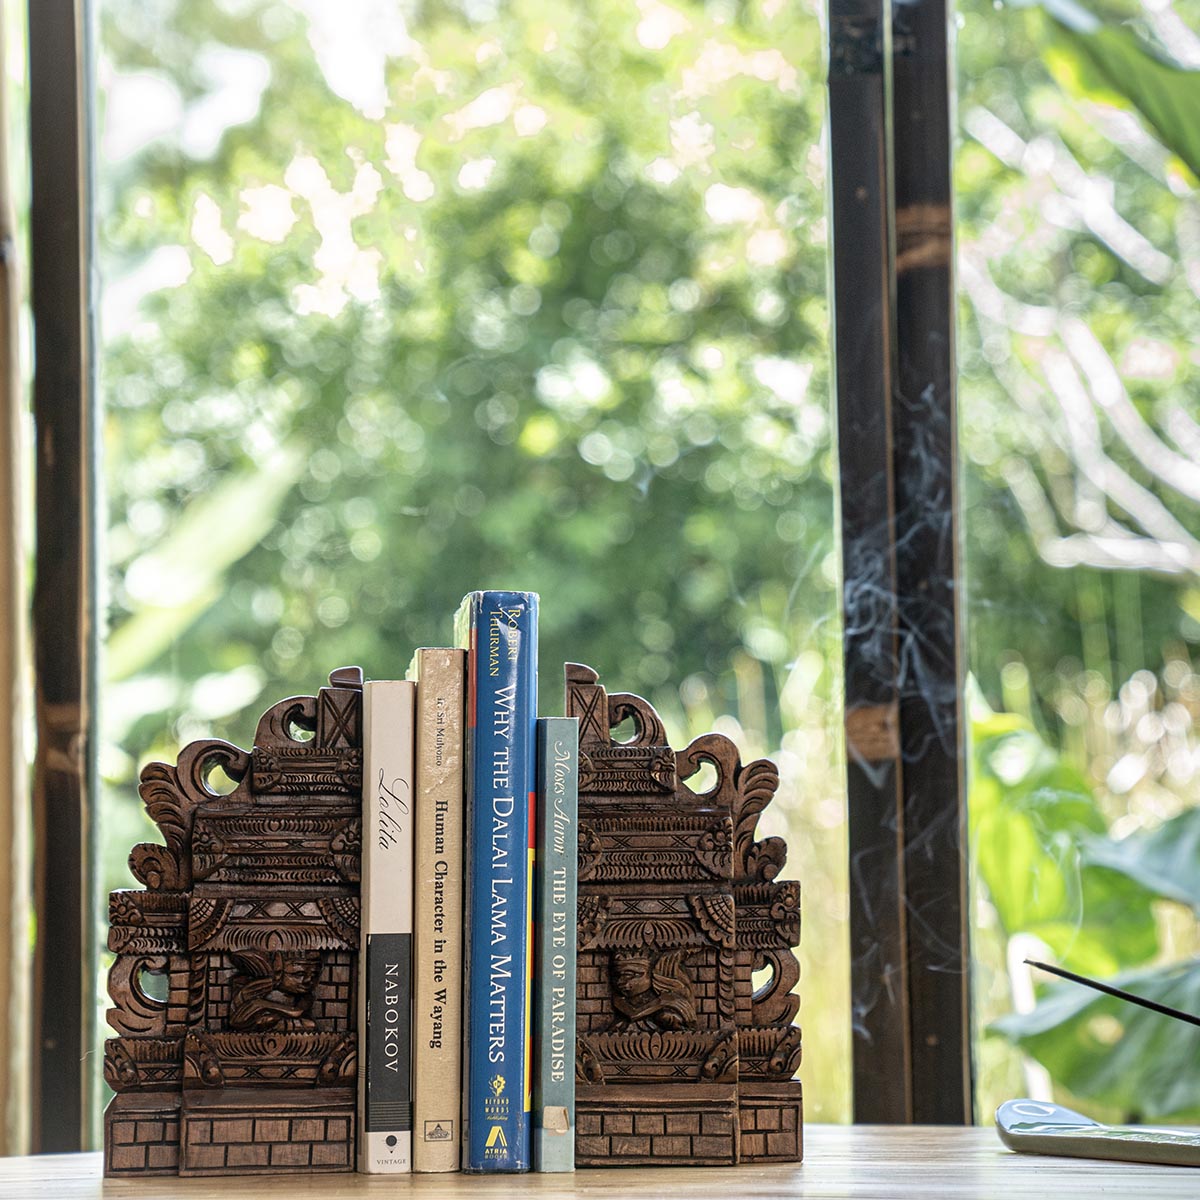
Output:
x,y
136,984
762,979
625,730
703,780
154,985
300,729
218,781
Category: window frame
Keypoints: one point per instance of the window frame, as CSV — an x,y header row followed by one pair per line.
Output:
x,y
893,321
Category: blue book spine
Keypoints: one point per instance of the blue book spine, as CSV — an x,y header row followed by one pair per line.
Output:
x,y
499,632
557,879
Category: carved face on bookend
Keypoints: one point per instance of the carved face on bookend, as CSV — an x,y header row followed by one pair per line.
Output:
x,y
274,991
298,973
652,990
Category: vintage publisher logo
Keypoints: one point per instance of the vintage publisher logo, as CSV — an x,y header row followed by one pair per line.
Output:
x,y
497,1085
439,1131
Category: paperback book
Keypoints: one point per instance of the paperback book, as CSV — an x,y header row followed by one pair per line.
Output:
x,y
438,923
385,961
557,877
499,632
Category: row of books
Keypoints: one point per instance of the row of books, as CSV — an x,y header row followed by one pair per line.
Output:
x,y
467,970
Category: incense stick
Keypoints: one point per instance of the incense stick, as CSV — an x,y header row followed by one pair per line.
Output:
x,y
1108,990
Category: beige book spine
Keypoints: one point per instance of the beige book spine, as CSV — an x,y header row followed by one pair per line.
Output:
x,y
438,931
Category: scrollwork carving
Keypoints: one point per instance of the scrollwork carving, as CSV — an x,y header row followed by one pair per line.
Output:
x,y
120,1071
715,914
341,914
648,728
722,1061
715,849
784,1060
756,785
143,1063
278,726
785,911
200,1063
341,1063
171,795
593,916
591,851
717,751
135,1013
773,1002
587,1064
750,788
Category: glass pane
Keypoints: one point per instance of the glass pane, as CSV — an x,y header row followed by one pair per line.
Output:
x,y
1078,268
404,301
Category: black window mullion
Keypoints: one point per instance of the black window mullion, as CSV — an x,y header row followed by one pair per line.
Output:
x,y
860,149
894,359
928,570
64,616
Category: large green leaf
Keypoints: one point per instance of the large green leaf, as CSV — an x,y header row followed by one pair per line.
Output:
x,y
1031,814
1112,64
1113,1053
183,574
1166,860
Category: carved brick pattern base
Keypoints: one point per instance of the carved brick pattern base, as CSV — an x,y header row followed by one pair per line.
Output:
x,y
141,1135
772,1123
220,1136
684,1125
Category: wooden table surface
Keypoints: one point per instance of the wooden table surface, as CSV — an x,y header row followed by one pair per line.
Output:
x,y
852,1162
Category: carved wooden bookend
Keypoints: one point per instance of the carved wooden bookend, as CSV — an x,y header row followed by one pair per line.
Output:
x,y
679,1059
250,914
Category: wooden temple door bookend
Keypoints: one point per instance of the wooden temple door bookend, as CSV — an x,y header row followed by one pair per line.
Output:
x,y
679,1059
251,914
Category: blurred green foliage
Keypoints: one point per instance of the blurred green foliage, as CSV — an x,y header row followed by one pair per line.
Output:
x,y
1031,812
1078,255
560,323
1054,873
1136,1064
1132,1061
1112,64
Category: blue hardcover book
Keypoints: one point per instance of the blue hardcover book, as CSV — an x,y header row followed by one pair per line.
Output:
x,y
556,883
499,632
